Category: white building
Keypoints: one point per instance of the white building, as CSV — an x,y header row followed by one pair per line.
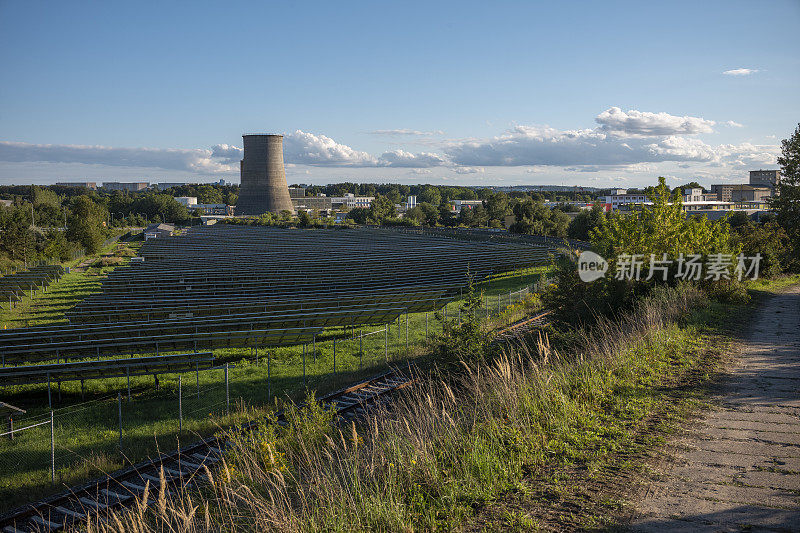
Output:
x,y
613,202
351,201
187,201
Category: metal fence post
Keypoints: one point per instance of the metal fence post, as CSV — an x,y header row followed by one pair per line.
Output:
x,y
227,393
426,326
269,375
361,349
119,408
128,375
406,331
180,404
334,355
52,448
386,342
197,370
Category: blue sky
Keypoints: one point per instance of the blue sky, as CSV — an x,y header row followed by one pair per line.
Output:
x,y
500,93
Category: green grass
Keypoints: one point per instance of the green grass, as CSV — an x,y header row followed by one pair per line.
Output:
x,y
503,444
87,434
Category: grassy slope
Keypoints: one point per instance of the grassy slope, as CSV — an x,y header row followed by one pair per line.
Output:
x,y
522,444
87,437
601,461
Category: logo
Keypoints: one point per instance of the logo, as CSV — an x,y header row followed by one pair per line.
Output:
x,y
591,266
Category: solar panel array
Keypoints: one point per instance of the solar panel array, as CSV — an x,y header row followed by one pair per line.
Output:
x,y
14,286
236,286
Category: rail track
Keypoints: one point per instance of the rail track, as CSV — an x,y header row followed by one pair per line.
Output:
x,y
72,508
518,329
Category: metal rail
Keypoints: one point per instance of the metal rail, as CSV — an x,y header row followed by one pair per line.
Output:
x,y
181,468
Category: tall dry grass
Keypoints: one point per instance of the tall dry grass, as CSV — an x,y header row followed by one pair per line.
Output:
x,y
445,445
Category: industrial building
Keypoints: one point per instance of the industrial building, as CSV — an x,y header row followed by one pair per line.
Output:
x,y
87,184
765,178
263,178
351,201
125,186
749,193
163,186
317,203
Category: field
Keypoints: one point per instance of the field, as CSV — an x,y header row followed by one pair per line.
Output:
x,y
87,422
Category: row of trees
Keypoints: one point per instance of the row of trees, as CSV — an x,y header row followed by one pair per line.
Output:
x,y
48,228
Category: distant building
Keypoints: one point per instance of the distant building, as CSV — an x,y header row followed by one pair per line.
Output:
x,y
458,205
723,192
158,231
612,202
6,203
351,201
187,201
163,186
748,193
320,203
213,209
297,192
125,186
697,195
411,203
765,178
87,184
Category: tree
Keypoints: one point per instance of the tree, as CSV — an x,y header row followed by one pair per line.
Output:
x,y
771,241
586,222
381,208
662,228
534,218
359,215
431,195
85,225
303,219
787,204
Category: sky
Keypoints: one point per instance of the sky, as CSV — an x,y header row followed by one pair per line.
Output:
x,y
601,94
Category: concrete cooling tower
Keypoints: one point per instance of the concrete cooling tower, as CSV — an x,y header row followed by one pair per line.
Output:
x,y
263,188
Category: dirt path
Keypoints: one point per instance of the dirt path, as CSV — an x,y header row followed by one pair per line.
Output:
x,y
739,468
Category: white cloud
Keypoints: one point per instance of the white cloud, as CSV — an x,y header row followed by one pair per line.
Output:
x,y
623,142
733,124
595,149
642,123
401,158
741,71
201,161
468,170
299,148
309,149
401,132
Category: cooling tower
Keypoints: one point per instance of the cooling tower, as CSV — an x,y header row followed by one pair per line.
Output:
x,y
263,187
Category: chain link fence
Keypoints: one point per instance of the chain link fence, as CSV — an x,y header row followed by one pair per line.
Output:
x,y
49,450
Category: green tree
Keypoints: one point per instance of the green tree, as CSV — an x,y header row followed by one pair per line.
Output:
x,y
771,241
85,225
585,222
787,204
303,219
661,228
381,208
534,218
431,195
